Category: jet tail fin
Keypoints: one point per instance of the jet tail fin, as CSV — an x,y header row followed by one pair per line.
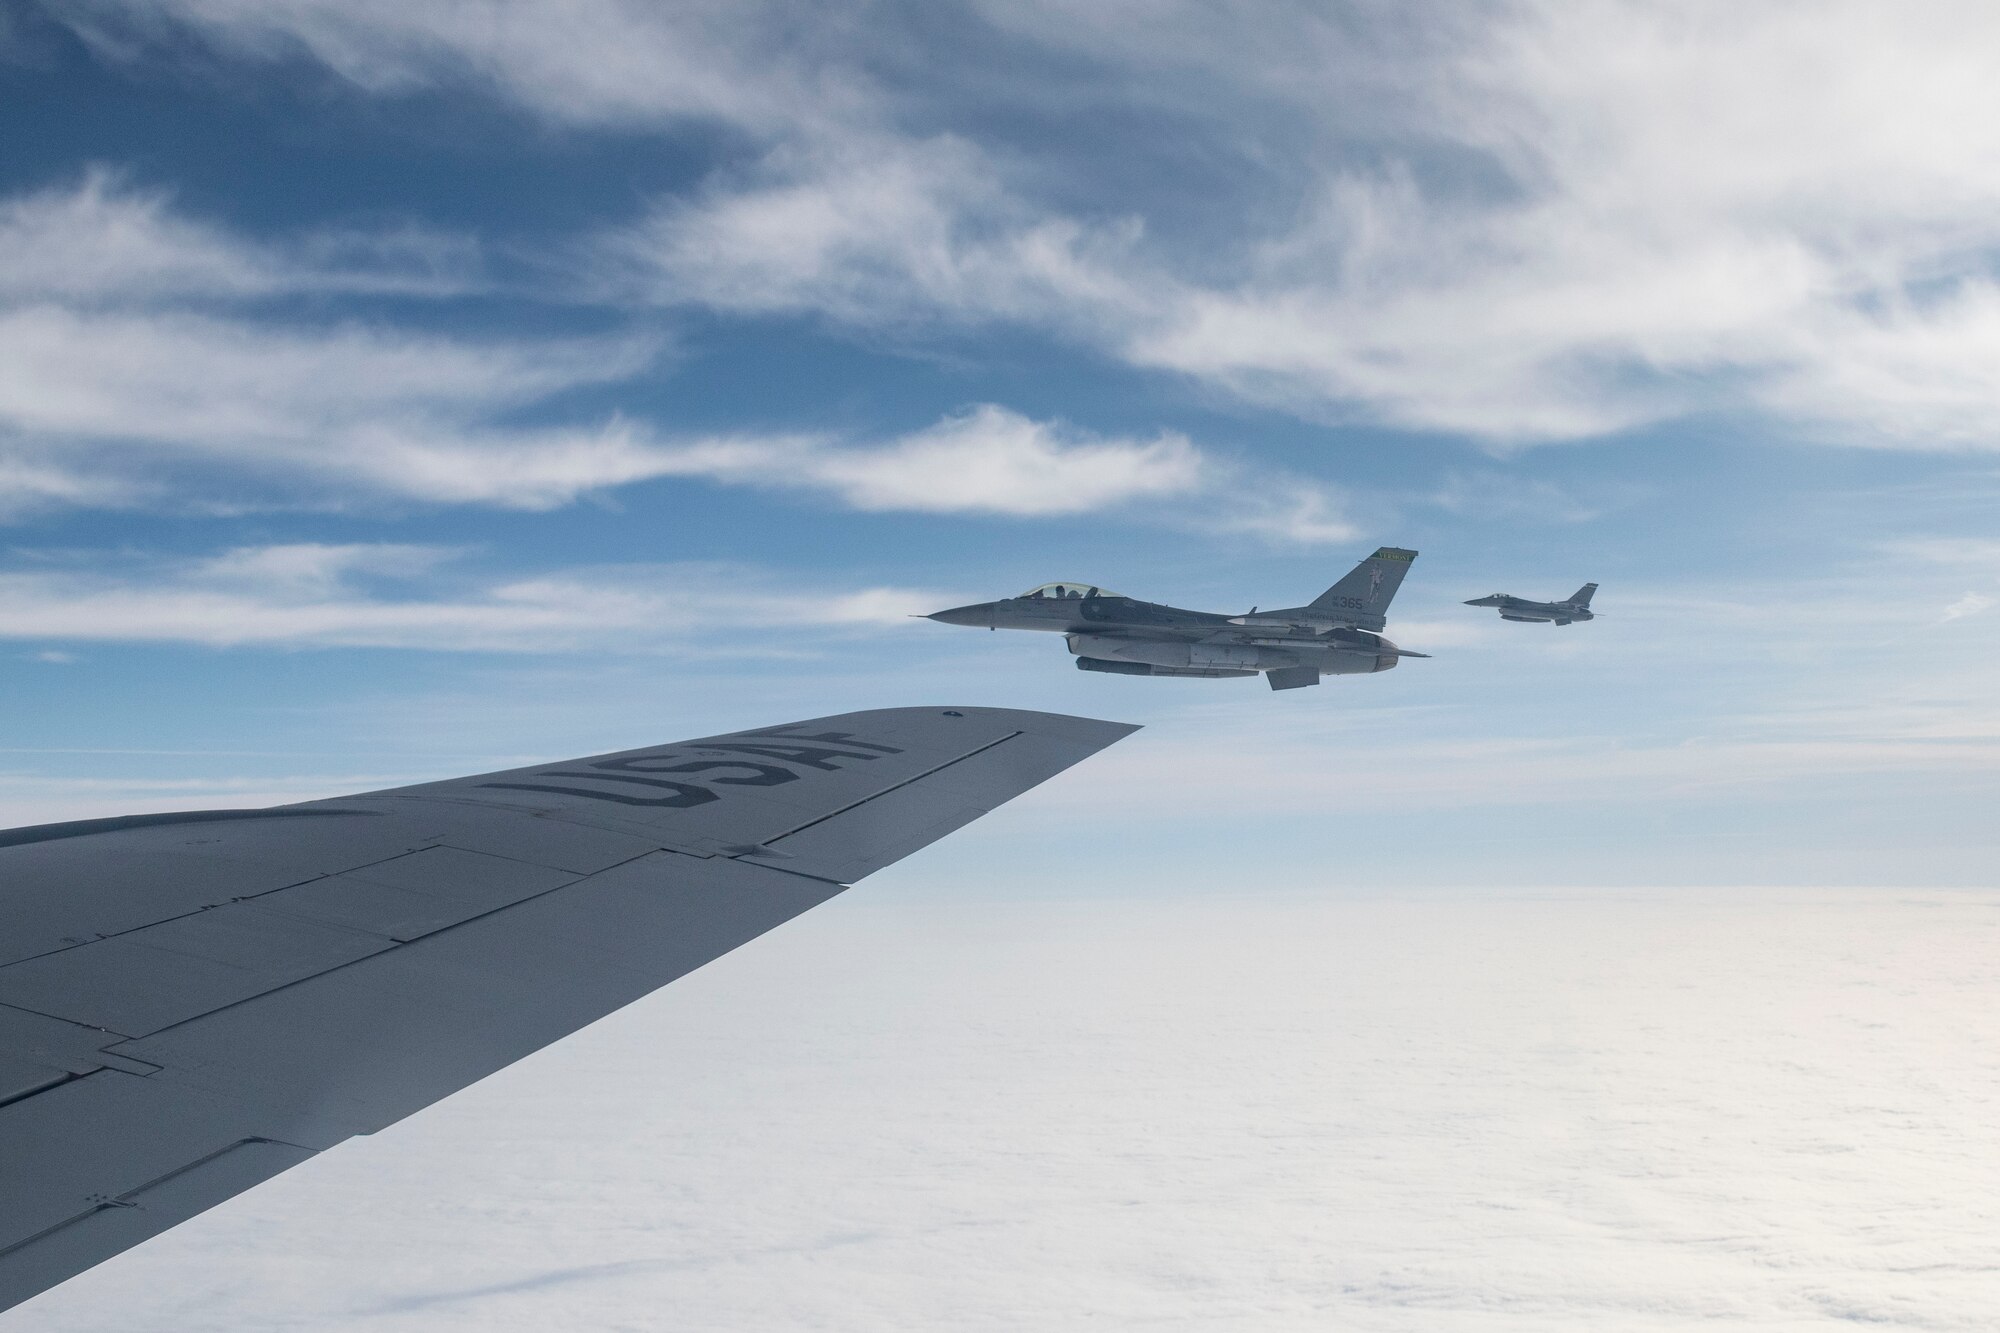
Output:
x,y
1363,597
1582,596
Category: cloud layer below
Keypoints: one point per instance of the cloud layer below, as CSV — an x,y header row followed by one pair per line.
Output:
x,y
1435,1114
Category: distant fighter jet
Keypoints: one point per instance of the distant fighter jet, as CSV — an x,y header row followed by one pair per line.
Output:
x,y
1334,635
1574,607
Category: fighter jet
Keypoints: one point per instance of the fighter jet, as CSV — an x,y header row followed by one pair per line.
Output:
x,y
1336,634
1574,607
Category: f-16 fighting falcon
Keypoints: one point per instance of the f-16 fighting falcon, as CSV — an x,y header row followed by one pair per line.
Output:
x,y
1576,606
192,1003
1336,634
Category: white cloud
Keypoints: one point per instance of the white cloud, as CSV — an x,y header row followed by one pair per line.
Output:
x,y
1691,207
1924,373
1823,256
97,238
592,61
120,387
104,408
1969,605
402,596
876,230
193,380
986,459
104,240
1525,222
29,482
1252,772
1971,552
1275,508
989,459
318,566
94,405
1212,1107
1491,493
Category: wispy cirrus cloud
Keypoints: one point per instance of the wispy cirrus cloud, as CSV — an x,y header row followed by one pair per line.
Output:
x,y
105,239
136,369
1495,493
597,62
1529,251
1976,553
116,407
985,460
399,595
107,408
1529,771
1523,222
1972,604
990,460
190,379
880,230
142,362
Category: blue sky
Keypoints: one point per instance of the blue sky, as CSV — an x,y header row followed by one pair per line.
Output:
x,y
393,391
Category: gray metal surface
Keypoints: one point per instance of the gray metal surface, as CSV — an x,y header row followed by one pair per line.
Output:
x,y
190,1006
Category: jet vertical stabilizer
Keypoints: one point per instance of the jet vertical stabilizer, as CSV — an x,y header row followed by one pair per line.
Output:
x,y
1362,598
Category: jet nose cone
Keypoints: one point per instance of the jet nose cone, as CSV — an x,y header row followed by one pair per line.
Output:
x,y
981,615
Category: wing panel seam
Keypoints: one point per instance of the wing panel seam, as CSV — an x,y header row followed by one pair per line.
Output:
x,y
638,832
873,796
317,876
124,1198
378,954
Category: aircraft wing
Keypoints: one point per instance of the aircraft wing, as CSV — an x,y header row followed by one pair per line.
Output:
x,y
190,1004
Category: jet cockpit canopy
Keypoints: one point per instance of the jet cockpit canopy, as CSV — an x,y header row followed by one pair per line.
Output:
x,y
1065,591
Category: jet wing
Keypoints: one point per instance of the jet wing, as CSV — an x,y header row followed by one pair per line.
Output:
x,y
190,1004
